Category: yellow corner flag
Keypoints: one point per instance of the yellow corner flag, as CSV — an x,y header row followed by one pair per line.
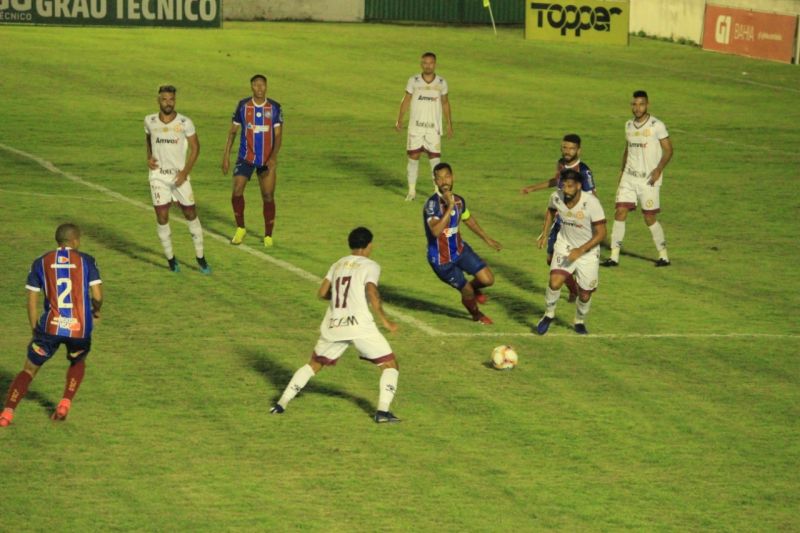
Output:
x,y
488,5
485,3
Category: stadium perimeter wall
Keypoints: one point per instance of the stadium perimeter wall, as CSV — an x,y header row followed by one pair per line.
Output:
x,y
324,10
678,19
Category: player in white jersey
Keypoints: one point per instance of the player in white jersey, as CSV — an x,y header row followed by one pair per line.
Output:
x,y
426,94
351,284
577,248
648,149
168,133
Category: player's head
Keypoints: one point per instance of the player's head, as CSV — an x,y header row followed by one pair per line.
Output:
x,y
68,235
570,147
639,104
360,239
443,177
258,84
428,63
570,183
166,98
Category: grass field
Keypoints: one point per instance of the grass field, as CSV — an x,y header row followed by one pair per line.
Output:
x,y
680,411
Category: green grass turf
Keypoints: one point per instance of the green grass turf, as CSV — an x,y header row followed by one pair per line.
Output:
x,y
170,431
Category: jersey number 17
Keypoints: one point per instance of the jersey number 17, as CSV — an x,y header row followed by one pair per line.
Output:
x,y
342,284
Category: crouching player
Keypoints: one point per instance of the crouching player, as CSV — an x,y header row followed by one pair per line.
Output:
x,y
577,248
350,283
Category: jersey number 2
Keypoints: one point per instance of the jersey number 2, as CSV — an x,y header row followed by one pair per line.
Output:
x,y
62,295
342,283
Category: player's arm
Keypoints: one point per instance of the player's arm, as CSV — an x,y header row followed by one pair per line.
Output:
x,y
624,161
549,215
96,291
404,103
194,152
447,116
542,185
226,155
374,298
666,155
598,234
151,162
273,156
324,292
33,308
478,230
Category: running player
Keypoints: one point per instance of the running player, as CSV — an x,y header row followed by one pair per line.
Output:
x,y
261,121
648,149
351,283
73,297
577,249
167,135
426,93
448,255
570,159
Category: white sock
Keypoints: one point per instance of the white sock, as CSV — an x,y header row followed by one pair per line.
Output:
x,y
165,236
617,235
299,380
412,171
197,236
658,238
550,300
388,387
581,310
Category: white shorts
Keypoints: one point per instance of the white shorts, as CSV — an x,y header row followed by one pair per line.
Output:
x,y
633,191
424,140
374,348
585,269
163,191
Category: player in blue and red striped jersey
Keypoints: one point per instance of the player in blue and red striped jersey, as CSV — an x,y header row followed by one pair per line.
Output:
x,y
261,121
448,254
73,297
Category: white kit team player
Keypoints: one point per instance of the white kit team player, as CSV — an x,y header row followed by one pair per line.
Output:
x,y
168,133
648,149
577,248
351,284
426,93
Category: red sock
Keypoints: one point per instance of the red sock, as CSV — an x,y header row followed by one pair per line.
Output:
x,y
572,285
269,217
472,306
18,389
238,210
74,377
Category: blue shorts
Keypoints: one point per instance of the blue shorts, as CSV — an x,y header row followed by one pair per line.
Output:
x,y
43,347
453,273
551,239
243,168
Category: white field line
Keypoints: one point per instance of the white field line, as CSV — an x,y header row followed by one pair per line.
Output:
x,y
632,335
308,276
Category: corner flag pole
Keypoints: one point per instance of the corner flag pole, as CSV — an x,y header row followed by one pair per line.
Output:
x,y
488,4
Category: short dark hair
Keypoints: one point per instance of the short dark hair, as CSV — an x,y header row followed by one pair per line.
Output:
x,y
441,166
640,94
167,89
572,138
258,77
359,238
569,174
67,232
429,54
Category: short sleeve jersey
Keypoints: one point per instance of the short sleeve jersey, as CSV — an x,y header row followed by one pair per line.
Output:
x,y
426,103
588,178
168,143
65,275
258,124
348,315
577,221
644,148
448,245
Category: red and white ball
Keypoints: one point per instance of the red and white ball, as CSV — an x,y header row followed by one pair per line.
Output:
x,y
504,357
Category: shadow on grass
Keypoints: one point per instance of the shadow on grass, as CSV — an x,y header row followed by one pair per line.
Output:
x,y
5,382
114,241
634,255
376,174
395,296
280,376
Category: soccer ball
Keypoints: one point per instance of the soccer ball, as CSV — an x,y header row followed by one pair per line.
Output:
x,y
504,357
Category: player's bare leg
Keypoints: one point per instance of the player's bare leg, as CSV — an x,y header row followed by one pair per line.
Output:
x,y
658,238
237,203
17,391
165,235
469,295
387,389
267,183
581,310
299,380
412,173
551,295
617,235
196,230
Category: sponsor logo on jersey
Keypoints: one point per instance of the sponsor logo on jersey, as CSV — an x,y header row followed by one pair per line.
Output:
x,y
258,129
63,322
421,124
342,322
574,18
38,349
427,98
160,140
63,259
